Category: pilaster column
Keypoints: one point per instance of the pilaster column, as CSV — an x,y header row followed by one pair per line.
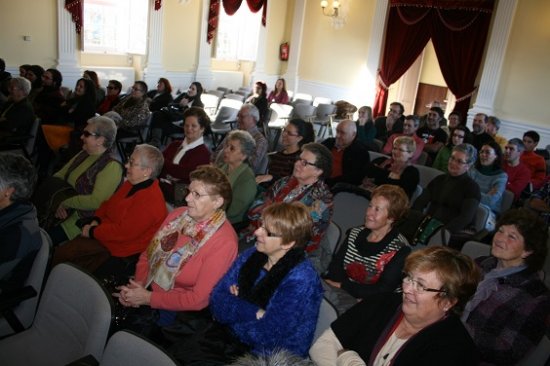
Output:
x,y
67,50
154,70
376,45
204,67
291,75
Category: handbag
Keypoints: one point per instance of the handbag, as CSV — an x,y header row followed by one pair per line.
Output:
x,y
426,230
47,199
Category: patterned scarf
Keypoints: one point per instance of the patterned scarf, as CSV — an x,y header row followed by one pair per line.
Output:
x,y
164,261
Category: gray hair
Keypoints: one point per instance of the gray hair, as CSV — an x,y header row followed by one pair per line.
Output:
x,y
106,127
469,150
252,110
150,157
407,141
323,157
22,84
18,173
277,358
518,142
248,144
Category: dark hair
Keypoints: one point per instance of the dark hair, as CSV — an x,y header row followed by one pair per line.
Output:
x,y
89,90
93,76
485,117
263,87
199,91
437,110
167,85
305,130
401,108
413,118
494,120
462,128
284,84
457,114
398,201
57,78
497,164
204,120
533,135
323,157
38,71
2,64
143,86
18,173
518,142
534,233
290,220
215,180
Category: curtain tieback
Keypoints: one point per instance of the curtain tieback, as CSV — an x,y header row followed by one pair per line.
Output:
x,y
466,96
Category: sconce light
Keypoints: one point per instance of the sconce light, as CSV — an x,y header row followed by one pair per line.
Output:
x,y
337,20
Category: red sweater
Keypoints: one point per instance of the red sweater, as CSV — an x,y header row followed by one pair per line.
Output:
x,y
191,160
518,178
129,223
536,165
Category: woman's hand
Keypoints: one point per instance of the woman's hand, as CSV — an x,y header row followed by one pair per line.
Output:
x,y
260,314
234,290
61,212
264,178
86,229
333,283
133,294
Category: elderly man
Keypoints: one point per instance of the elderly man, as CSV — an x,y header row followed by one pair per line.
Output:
x,y
349,156
409,129
479,135
532,160
16,115
432,134
247,120
518,173
390,124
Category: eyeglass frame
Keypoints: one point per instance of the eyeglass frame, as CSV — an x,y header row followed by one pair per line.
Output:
x,y
452,158
417,286
88,134
196,195
285,130
269,233
305,163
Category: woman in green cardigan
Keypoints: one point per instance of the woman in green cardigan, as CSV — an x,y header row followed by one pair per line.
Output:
x,y
239,147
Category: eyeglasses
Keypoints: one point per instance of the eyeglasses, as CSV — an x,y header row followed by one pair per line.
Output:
x,y
418,287
488,152
458,161
457,135
132,163
287,132
196,195
395,148
269,233
88,134
111,87
305,163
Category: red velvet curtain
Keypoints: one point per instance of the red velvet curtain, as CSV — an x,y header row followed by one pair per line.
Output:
x,y
458,30
158,4
76,8
231,7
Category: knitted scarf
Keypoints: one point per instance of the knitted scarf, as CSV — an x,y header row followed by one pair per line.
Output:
x,y
164,261
260,292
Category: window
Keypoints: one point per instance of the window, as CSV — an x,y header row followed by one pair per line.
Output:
x,y
115,26
237,37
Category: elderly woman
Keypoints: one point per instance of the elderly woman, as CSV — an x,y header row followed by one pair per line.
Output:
x,y
269,299
132,111
161,121
279,94
295,134
453,198
306,185
182,157
458,136
16,115
18,224
122,226
510,311
92,176
397,170
161,96
190,252
490,177
418,327
372,256
239,147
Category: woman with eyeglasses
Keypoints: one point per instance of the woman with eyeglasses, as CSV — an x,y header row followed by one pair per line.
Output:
x,y
371,257
306,185
112,98
188,255
458,136
79,188
420,326
268,300
508,315
397,170
281,163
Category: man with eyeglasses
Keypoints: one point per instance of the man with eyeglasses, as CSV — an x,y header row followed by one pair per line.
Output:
x,y
410,126
349,155
433,135
518,173
391,123
479,136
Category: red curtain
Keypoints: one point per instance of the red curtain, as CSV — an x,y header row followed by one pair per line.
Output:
x,y
458,30
158,4
231,7
76,8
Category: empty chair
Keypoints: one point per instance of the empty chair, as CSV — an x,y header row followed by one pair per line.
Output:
x,y
296,102
223,89
235,96
327,314
211,102
427,174
280,113
141,135
222,124
321,100
20,317
218,93
475,249
507,201
328,246
375,155
349,210
422,158
126,348
232,103
303,111
307,98
323,117
72,321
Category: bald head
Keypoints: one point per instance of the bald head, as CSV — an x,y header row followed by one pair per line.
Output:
x,y
345,133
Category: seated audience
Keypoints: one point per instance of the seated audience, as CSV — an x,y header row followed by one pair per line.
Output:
x,y
510,311
410,126
479,135
47,103
421,326
132,111
19,231
490,177
34,75
532,160
122,226
432,134
182,157
349,156
397,170
259,99
161,96
539,201
518,173
239,147
99,92
306,185
161,121
458,136
371,257
295,134
188,255
82,185
23,70
390,124
112,98
366,132
17,114
81,106
4,79
278,94
453,198
493,125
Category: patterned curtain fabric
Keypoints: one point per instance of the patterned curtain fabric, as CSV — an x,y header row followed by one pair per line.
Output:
x,y
231,7
76,8
458,30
